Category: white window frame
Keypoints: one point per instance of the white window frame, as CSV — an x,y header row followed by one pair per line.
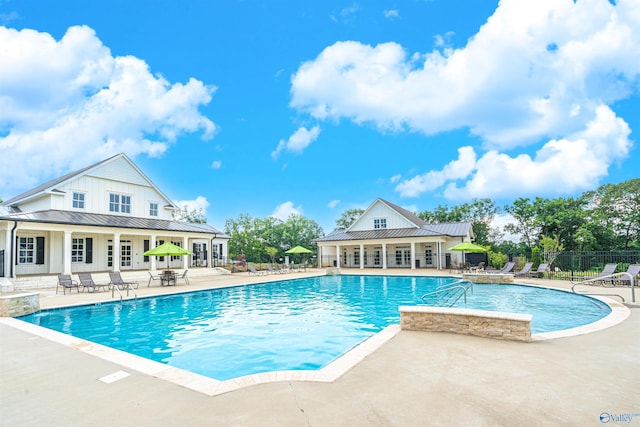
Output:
x,y
379,223
119,203
153,208
80,201
27,254
78,247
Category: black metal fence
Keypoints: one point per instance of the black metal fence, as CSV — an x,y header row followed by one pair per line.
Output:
x,y
568,264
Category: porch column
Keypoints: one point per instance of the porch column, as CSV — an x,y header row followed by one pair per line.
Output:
x,y
185,258
439,257
413,255
384,256
116,252
66,253
361,256
152,259
9,263
337,255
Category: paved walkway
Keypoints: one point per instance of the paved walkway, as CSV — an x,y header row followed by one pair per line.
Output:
x,y
415,379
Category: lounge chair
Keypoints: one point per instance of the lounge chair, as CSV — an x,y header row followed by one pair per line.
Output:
x,y
153,277
86,281
254,272
116,280
66,282
608,270
624,280
525,269
506,269
270,270
183,276
542,268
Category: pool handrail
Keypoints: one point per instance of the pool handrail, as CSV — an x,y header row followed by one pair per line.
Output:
x,y
442,289
128,286
593,282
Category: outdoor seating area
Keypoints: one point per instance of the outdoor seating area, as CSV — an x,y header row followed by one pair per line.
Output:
x,y
66,282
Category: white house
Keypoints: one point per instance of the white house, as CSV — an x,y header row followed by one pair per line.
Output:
x,y
388,236
100,218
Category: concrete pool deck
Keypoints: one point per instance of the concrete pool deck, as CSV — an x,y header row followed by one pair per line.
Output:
x,y
415,378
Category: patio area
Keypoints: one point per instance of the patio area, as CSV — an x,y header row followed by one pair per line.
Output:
x,y
414,379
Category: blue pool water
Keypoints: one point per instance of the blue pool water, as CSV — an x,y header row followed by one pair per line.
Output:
x,y
290,324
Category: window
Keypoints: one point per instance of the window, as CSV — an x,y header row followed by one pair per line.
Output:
x,y
114,203
78,200
356,257
119,203
77,250
125,253
379,223
125,204
153,209
26,250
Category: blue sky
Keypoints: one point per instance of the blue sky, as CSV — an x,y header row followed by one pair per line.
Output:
x,y
316,107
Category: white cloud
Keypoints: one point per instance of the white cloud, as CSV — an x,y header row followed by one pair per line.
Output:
x,y
539,73
216,164
334,203
455,170
285,210
499,221
68,103
391,14
198,203
297,142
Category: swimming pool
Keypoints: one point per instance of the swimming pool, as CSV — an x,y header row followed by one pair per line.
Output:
x,y
299,324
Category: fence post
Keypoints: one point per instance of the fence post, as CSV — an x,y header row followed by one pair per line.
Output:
x,y
571,265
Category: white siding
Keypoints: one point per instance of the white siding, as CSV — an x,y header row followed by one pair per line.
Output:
x,y
120,170
380,210
40,204
97,191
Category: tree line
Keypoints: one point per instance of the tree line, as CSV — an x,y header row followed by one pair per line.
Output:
x,y
604,219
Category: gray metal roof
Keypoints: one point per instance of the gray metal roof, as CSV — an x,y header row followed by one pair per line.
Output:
x,y
405,213
42,187
110,221
454,229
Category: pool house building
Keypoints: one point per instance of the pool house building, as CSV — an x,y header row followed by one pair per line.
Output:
x,y
388,236
98,219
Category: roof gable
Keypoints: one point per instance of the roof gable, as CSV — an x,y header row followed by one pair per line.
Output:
x,y
396,217
118,167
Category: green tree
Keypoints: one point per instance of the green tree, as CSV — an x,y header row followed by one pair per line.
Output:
x,y
563,218
185,215
616,210
347,218
480,213
272,252
526,224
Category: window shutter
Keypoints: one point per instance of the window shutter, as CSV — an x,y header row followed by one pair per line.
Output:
x,y
146,248
39,250
88,246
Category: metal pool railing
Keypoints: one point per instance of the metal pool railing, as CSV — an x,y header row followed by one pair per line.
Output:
x,y
448,294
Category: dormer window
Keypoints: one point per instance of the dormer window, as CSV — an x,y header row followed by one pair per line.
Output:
x,y
379,223
78,200
119,203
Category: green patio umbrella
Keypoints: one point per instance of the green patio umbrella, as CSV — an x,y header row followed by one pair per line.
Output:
x,y
467,247
167,249
298,250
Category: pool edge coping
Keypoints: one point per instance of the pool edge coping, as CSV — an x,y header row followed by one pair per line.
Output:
x,y
334,370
